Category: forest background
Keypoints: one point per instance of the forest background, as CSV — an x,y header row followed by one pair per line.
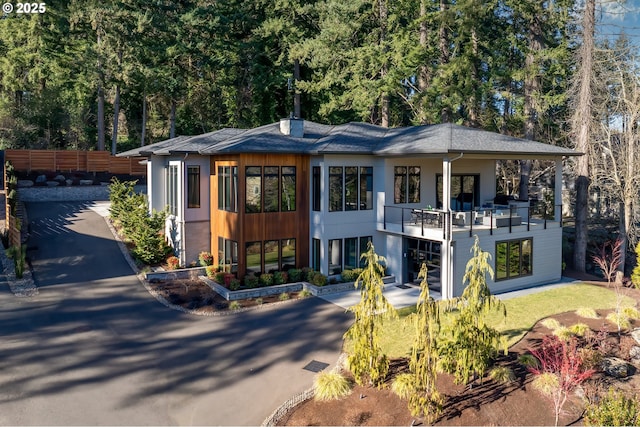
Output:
x,y
113,75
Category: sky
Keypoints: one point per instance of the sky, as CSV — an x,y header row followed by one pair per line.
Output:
x,y
616,16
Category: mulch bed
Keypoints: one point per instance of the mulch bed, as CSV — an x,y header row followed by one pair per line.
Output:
x,y
485,403
199,298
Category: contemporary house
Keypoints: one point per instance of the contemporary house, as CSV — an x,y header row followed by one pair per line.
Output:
x,y
298,193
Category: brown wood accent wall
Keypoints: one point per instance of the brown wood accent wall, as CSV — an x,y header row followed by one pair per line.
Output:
x,y
257,227
74,160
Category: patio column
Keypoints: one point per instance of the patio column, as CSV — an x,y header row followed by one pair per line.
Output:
x,y
446,268
557,194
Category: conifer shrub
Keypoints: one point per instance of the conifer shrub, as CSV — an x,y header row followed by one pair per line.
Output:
x,y
403,385
280,277
266,279
318,279
251,281
295,275
613,409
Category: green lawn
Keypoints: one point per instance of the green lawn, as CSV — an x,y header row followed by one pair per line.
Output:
x,y
522,313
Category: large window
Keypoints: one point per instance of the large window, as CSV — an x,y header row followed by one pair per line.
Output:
x,y
465,192
228,254
253,258
364,247
288,258
514,258
350,188
270,189
335,256
343,254
253,189
315,254
316,188
228,188
350,253
335,189
271,256
172,189
193,186
288,189
406,184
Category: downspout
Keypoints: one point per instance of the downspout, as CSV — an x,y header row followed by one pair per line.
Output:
x,y
183,243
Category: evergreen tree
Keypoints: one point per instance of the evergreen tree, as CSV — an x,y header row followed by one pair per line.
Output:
x,y
470,343
424,399
366,361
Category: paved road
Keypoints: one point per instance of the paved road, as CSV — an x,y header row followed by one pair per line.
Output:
x,y
94,348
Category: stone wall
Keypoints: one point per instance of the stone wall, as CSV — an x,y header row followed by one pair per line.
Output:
x,y
69,194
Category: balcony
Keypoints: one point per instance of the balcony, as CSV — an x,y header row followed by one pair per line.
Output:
x,y
437,224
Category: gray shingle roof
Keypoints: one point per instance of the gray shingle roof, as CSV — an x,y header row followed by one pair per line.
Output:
x,y
354,138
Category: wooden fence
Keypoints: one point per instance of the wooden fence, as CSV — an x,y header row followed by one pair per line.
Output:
x,y
66,160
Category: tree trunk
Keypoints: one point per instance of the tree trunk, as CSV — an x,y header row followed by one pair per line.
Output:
x,y
172,120
581,124
116,114
385,112
423,70
101,135
443,35
297,108
143,134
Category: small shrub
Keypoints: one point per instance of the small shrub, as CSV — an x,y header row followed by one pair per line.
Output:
x,y
234,305
403,385
348,276
284,296
173,262
550,323
502,374
234,285
330,385
528,360
280,277
305,293
591,358
259,301
620,320
614,409
587,313
563,333
579,329
18,253
205,259
219,277
333,280
319,279
251,281
211,271
308,274
266,279
546,383
295,275
631,312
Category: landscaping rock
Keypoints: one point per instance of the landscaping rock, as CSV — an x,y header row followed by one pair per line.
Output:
x,y
52,183
69,182
616,367
41,179
634,354
25,183
635,334
59,178
86,182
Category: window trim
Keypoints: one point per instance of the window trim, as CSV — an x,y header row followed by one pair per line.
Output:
x,y
403,194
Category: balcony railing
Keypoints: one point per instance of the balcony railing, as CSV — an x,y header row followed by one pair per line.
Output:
x,y
425,221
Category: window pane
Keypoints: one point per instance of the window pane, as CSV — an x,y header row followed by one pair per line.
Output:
x,y
193,186
288,197
335,189
271,256
501,260
526,257
514,259
288,254
271,189
254,257
220,251
220,188
315,254
351,188
316,188
233,205
253,190
414,184
364,247
400,184
350,253
335,256
366,188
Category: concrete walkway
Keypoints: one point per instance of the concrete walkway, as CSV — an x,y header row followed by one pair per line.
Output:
x,y
408,294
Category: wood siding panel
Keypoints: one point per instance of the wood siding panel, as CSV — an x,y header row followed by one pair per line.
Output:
x,y
69,160
243,228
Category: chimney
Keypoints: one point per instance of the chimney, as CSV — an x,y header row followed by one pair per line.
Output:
x,y
292,126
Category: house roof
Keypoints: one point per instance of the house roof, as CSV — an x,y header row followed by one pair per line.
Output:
x,y
355,138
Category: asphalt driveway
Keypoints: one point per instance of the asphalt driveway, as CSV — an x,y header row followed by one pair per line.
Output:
x,y
94,348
